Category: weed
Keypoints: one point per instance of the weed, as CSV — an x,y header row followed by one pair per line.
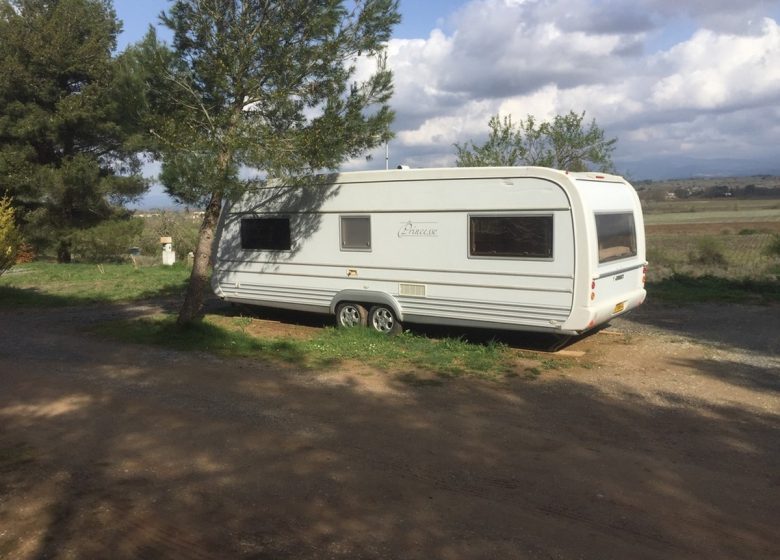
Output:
x,y
532,372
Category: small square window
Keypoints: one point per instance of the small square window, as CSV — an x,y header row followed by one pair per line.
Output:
x,y
356,233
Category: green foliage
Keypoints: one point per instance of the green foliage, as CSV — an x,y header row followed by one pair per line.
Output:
x,y
10,238
267,86
69,117
563,143
257,88
109,241
181,226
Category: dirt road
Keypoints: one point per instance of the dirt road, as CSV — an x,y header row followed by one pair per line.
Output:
x,y
663,442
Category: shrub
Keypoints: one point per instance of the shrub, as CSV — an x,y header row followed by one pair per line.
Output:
x,y
109,241
708,252
773,249
26,253
10,238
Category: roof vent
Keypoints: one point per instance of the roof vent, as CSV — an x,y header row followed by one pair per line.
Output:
x,y
403,167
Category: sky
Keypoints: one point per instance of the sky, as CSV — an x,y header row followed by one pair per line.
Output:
x,y
688,87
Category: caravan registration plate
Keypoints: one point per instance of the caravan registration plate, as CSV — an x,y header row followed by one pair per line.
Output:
x,y
619,307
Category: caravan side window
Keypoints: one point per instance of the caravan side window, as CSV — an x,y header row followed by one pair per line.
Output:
x,y
617,236
355,233
266,234
511,236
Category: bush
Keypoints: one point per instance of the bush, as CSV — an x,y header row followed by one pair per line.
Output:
x,y
10,238
774,247
109,241
708,252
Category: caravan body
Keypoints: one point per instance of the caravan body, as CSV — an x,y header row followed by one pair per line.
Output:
x,y
521,248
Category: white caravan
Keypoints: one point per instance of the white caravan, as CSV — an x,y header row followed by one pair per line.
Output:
x,y
520,248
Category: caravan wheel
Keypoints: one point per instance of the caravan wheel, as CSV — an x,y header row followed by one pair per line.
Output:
x,y
351,315
382,319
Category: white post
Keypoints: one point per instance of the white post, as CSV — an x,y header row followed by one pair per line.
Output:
x,y
168,255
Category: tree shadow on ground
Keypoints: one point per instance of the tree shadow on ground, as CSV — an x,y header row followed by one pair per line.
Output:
x,y
162,454
754,328
12,297
764,379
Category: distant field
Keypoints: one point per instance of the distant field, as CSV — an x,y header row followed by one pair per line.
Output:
x,y
711,211
729,205
722,238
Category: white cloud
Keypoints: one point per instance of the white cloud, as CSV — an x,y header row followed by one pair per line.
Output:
x,y
713,71
702,97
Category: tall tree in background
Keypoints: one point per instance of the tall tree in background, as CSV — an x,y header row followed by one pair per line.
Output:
x,y
67,117
563,143
265,87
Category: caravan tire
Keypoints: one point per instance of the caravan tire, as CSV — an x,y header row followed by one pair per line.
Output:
x,y
350,315
383,320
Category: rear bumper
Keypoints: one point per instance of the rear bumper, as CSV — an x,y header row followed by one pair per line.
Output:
x,y
586,318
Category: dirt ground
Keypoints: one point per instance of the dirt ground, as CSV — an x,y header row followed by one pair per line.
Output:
x,y
663,441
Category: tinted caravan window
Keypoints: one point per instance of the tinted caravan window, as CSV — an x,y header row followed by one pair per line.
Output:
x,y
617,236
356,233
511,236
266,234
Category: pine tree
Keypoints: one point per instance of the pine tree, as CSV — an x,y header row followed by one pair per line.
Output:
x,y
262,88
68,115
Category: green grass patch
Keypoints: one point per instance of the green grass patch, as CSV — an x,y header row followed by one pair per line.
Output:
x,y
445,358
42,284
681,289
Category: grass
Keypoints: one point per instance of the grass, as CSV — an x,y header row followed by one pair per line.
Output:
x,y
50,284
445,358
682,289
413,358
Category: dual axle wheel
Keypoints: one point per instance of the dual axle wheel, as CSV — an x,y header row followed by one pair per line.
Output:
x,y
379,317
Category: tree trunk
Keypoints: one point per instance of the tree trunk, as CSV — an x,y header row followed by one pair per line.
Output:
x,y
192,308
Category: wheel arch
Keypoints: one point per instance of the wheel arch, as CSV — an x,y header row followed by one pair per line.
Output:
x,y
367,297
